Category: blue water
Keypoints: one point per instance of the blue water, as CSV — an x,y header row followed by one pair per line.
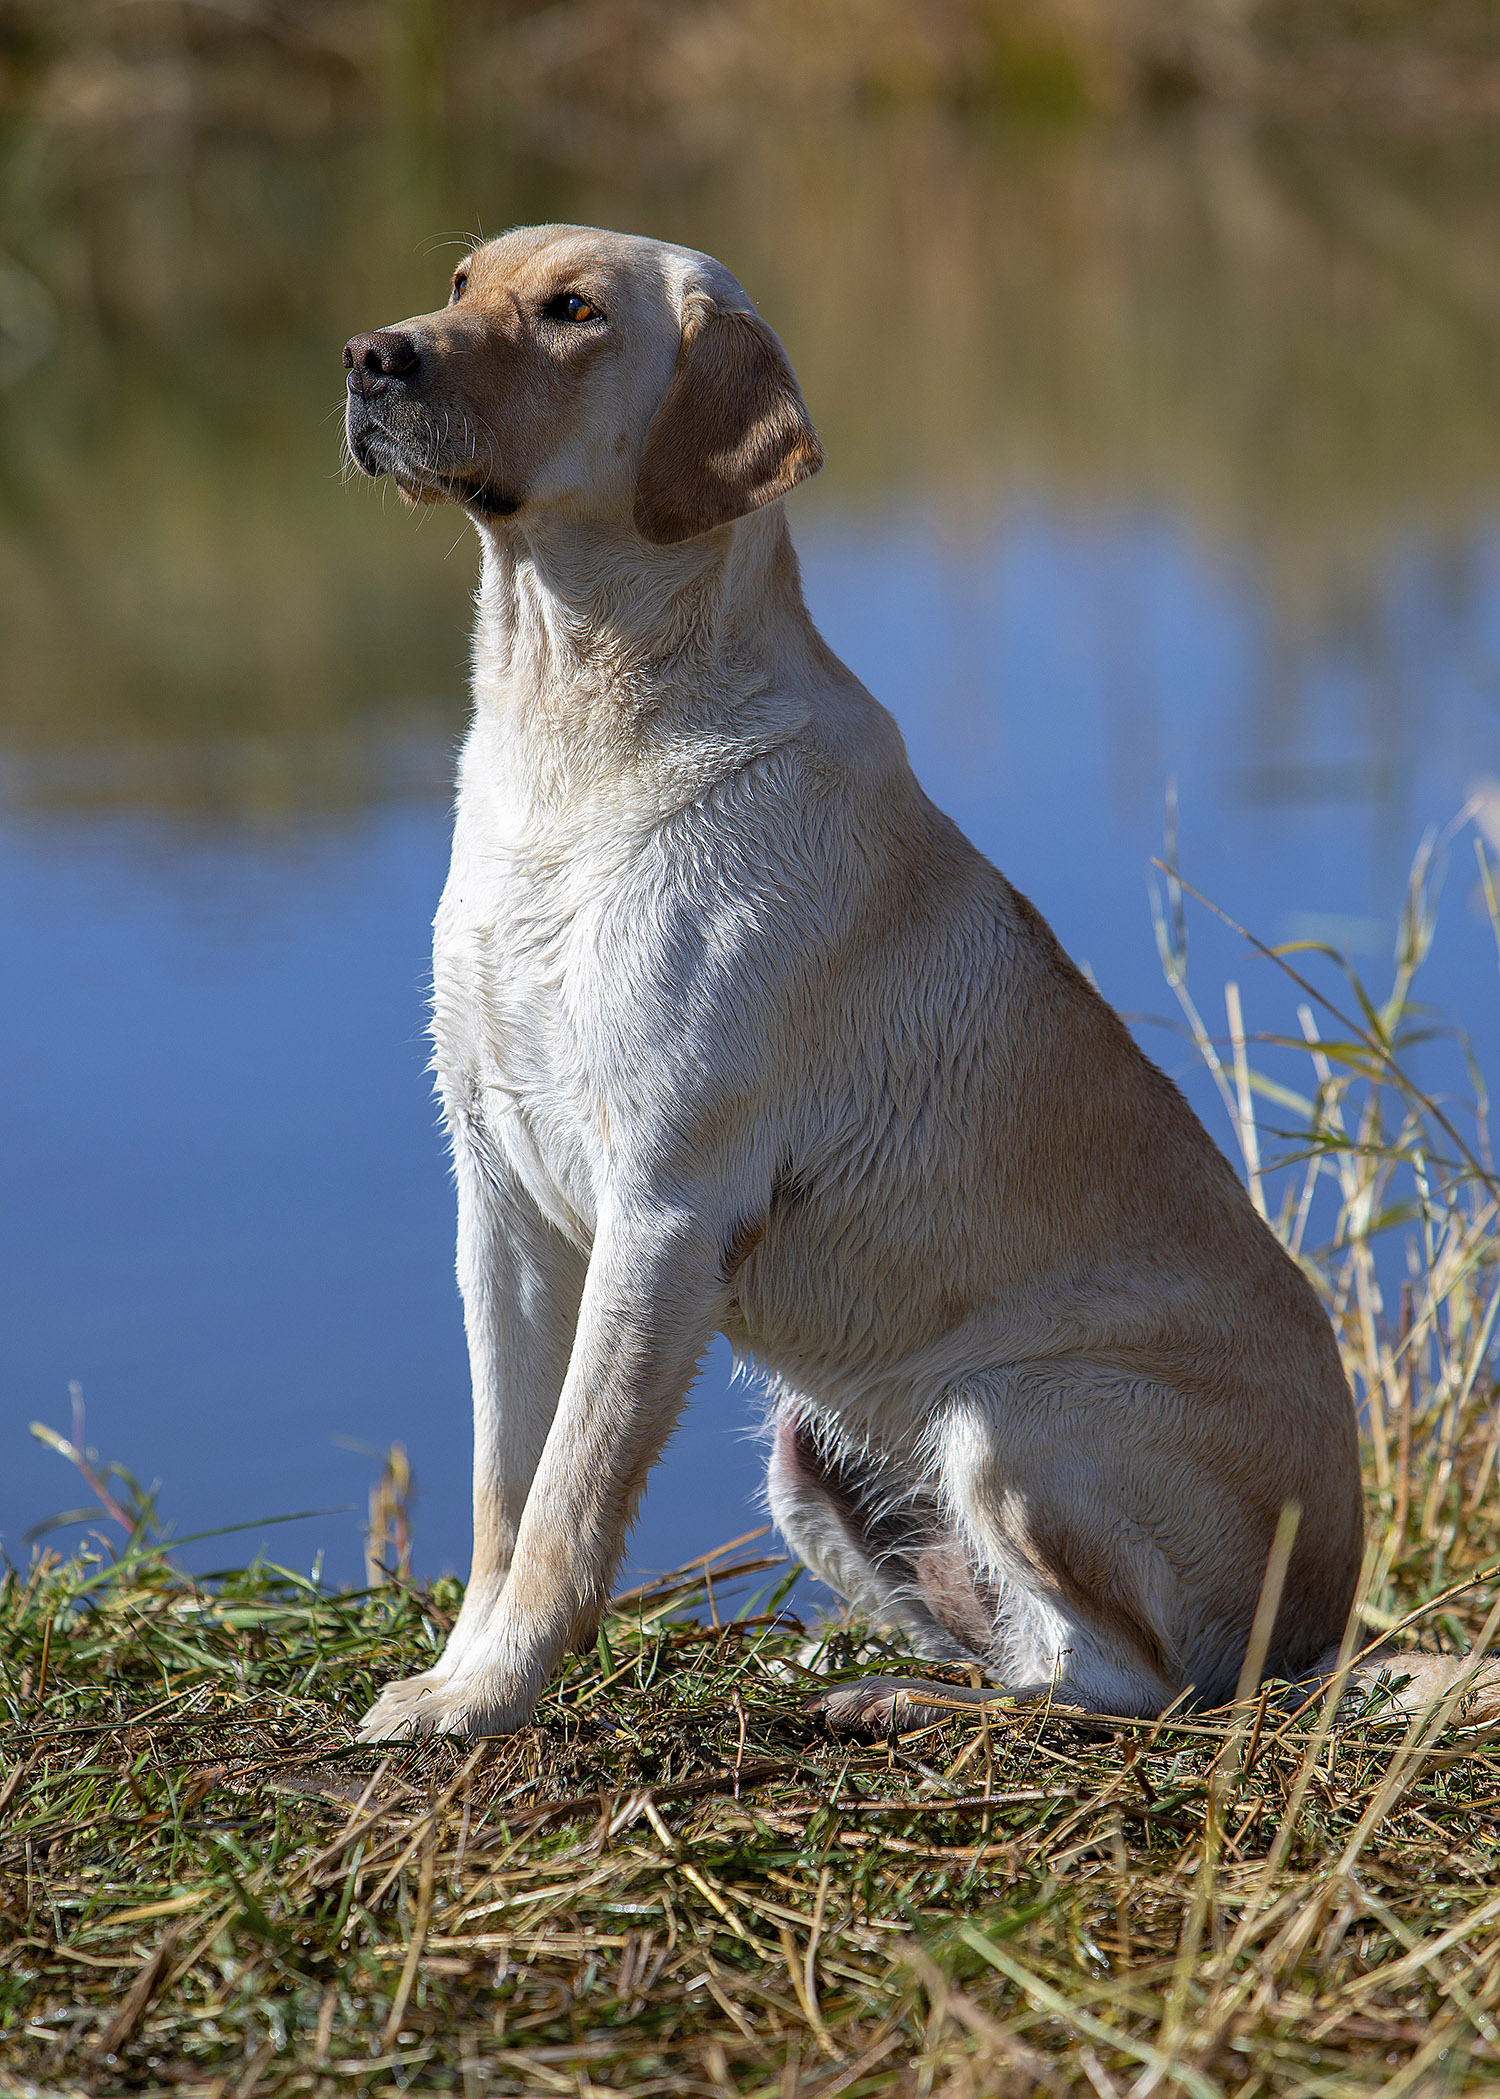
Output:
x,y
227,1207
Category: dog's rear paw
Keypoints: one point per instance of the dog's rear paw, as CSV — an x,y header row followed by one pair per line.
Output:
x,y
874,1705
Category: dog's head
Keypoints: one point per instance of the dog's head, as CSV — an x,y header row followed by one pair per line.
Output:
x,y
598,375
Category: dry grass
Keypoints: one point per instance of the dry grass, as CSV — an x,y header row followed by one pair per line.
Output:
x,y
674,1883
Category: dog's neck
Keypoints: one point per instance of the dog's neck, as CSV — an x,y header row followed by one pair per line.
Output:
x,y
587,636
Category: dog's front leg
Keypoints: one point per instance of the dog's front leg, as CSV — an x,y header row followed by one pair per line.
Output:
x,y
522,1283
654,1292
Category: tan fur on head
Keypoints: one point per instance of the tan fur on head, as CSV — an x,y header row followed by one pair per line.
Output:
x,y
733,433
670,406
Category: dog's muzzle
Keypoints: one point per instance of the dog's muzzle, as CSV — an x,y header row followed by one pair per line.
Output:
x,y
382,370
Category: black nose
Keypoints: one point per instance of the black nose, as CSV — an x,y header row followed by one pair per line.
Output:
x,y
372,359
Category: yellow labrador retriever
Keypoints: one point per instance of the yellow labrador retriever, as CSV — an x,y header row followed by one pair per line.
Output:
x,y
737,1033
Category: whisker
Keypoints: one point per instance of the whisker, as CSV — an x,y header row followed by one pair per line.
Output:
x,y
454,239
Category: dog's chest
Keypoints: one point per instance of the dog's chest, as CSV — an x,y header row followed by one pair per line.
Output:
x,y
522,1017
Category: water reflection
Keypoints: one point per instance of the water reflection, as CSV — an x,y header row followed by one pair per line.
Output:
x,y
1289,345
1152,452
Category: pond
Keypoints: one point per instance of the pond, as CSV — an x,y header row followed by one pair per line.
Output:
x,y
1161,460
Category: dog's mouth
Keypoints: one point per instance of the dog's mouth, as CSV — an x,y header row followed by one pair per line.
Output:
x,y
377,451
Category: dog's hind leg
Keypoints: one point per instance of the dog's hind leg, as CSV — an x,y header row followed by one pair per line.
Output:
x,y
1083,1604
897,1562
877,1542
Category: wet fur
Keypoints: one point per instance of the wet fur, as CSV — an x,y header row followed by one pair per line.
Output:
x,y
737,1033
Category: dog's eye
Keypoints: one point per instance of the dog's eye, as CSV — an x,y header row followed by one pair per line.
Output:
x,y
460,279
571,306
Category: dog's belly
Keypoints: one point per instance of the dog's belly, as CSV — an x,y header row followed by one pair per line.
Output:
x,y
873,1322
868,1321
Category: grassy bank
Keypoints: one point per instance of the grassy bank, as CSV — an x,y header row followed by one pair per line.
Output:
x,y
674,1881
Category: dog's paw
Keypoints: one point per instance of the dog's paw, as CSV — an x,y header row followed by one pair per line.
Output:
x,y
874,1705
415,1706
404,1710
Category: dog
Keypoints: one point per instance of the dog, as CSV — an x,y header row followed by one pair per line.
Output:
x,y
736,1032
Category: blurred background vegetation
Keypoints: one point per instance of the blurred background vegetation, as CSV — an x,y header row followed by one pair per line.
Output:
x,y
1237,260
693,65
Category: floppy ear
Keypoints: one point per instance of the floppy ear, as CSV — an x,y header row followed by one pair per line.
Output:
x,y
733,432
